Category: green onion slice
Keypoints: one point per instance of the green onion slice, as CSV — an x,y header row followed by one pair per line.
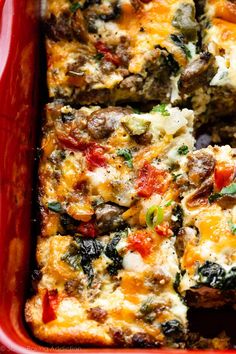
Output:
x,y
154,216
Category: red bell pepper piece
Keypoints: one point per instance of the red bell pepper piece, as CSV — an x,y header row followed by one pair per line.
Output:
x,y
50,304
224,174
164,230
108,55
95,157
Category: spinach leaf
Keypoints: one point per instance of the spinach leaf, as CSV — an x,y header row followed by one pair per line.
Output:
x,y
177,218
89,248
112,253
55,206
72,256
230,280
211,274
230,190
173,329
81,253
177,282
68,223
178,39
74,7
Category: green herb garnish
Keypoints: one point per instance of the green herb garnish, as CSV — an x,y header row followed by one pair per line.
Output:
x,y
55,206
175,176
230,190
98,56
74,7
232,227
154,216
183,150
126,154
168,203
161,108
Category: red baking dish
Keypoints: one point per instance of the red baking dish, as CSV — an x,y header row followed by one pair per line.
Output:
x,y
19,120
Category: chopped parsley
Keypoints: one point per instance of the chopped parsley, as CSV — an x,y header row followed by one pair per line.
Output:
x,y
168,203
178,39
232,227
98,56
74,7
230,190
183,150
161,108
126,154
55,206
175,176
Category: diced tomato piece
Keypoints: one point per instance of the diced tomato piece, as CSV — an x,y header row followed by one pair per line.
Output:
x,y
87,229
101,47
150,180
108,55
141,241
224,174
94,153
95,157
72,143
50,304
164,230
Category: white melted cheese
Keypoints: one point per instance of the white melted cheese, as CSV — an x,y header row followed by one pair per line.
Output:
x,y
133,262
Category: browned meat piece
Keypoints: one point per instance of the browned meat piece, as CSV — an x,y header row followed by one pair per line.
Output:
x,y
200,166
67,26
200,196
97,314
144,340
73,287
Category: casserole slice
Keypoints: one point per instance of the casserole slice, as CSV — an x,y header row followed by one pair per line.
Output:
x,y
111,51
219,39
113,155
107,266
207,243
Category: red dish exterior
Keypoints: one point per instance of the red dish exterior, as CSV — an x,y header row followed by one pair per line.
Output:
x,y
19,114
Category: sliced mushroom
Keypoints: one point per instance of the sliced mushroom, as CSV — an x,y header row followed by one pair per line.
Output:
x,y
109,217
198,73
184,20
103,122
